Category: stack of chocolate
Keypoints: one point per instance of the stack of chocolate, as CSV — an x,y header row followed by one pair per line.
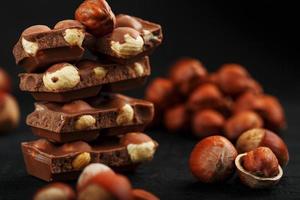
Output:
x,y
78,115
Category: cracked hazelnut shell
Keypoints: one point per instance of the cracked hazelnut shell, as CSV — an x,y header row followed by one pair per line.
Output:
x,y
259,168
212,159
259,137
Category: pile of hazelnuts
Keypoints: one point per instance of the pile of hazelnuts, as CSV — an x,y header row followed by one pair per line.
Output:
x,y
97,181
9,108
228,101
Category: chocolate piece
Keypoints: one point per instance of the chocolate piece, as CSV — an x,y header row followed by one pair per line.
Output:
x,y
39,46
103,112
132,39
86,136
51,162
65,82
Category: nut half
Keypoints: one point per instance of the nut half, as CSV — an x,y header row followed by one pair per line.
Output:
x,y
74,36
131,46
81,161
61,77
126,115
141,152
30,47
255,181
85,122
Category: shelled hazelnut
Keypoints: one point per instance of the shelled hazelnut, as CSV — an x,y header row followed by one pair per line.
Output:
x,y
97,16
212,160
259,168
187,74
254,138
207,123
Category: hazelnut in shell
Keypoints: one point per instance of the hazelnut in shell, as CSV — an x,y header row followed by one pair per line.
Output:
x,y
212,159
259,137
259,168
9,112
57,191
176,118
207,123
241,122
5,81
187,74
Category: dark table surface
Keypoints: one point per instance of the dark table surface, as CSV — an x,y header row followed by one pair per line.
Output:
x,y
167,175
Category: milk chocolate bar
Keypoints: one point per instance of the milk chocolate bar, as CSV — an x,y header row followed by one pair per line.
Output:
x,y
51,162
65,82
90,116
39,46
132,39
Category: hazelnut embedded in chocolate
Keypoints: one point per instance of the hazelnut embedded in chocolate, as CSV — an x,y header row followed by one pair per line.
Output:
x,y
187,74
126,42
61,76
126,115
140,146
128,21
97,16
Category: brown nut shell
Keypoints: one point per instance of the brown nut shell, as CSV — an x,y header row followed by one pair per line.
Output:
x,y
255,181
212,160
259,137
176,118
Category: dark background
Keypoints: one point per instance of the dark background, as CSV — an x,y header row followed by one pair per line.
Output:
x,y
262,36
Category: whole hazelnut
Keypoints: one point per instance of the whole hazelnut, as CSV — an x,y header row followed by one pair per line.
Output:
x,y
108,186
241,122
233,79
161,92
90,171
57,191
176,118
207,122
5,81
139,194
208,96
187,74
97,16
140,147
259,168
268,107
255,138
212,160
9,112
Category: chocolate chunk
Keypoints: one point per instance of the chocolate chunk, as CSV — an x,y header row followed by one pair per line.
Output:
x,y
39,46
132,39
103,112
66,82
51,162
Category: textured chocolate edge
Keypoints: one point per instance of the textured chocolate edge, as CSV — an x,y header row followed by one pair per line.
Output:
x,y
104,120
86,136
115,73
